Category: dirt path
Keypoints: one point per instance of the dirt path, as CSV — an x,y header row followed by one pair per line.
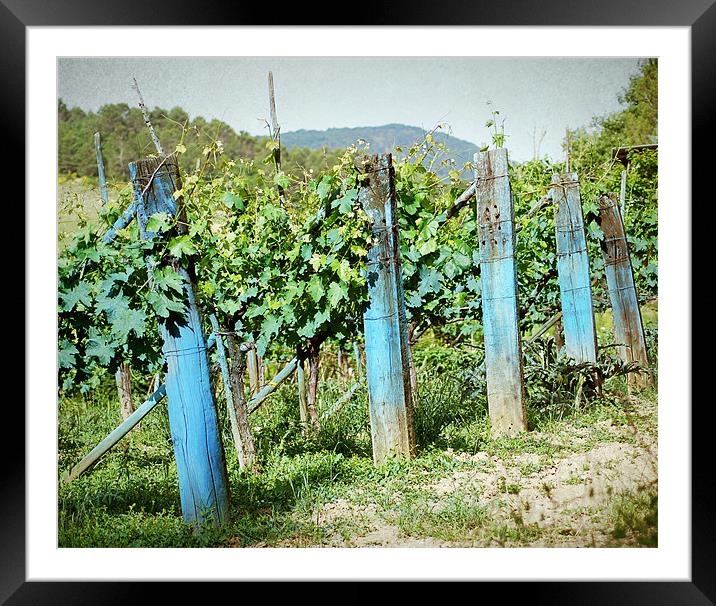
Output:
x,y
578,487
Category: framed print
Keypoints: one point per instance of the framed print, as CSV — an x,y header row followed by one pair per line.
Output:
x,y
325,474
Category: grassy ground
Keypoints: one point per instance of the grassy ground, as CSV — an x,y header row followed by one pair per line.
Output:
x,y
584,475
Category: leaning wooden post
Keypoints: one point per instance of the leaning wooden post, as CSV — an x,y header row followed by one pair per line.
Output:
x,y
580,335
628,327
498,267
193,419
389,394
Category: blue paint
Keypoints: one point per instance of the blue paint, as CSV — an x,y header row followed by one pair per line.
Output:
x,y
192,411
580,335
124,220
103,192
271,386
498,284
117,434
387,373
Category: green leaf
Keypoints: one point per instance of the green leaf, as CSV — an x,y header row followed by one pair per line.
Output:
x,y
430,281
232,200
282,180
324,188
126,321
427,247
306,251
337,292
159,223
99,348
80,294
168,279
181,246
473,285
595,231
270,326
66,354
164,305
111,305
345,202
315,289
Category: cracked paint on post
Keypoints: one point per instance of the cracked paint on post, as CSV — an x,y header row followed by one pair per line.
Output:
x,y
580,335
498,269
193,419
386,342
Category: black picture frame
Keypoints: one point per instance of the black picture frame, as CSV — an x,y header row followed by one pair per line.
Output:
x,y
699,15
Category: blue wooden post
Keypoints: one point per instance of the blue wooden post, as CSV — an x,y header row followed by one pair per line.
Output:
x,y
103,192
498,268
580,335
192,411
628,327
386,342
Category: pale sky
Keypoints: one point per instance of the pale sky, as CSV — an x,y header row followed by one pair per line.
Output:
x,y
533,94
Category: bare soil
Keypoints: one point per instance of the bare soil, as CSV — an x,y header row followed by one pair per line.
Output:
x,y
542,501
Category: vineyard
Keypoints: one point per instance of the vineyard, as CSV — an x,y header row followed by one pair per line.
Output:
x,y
390,350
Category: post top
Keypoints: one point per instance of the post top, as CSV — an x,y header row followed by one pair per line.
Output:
x,y
146,167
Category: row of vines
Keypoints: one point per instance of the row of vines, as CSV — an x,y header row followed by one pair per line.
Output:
x,y
280,258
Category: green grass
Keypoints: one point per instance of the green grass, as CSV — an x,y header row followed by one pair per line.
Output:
x,y
131,497
635,516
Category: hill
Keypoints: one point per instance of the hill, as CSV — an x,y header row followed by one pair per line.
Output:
x,y
382,139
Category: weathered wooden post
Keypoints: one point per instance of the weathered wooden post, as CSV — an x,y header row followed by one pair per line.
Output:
x,y
192,411
498,267
356,355
628,327
580,335
386,340
235,409
252,364
301,384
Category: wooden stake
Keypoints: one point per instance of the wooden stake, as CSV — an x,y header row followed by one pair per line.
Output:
x,y
628,326
226,379
147,121
622,193
252,363
241,409
389,393
193,419
503,347
580,335
91,458
301,381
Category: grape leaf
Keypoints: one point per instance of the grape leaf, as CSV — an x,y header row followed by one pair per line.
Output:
x,y
81,293
66,354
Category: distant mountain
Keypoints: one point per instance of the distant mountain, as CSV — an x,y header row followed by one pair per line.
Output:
x,y
382,139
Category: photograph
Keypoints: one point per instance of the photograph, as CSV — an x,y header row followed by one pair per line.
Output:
x,y
357,302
